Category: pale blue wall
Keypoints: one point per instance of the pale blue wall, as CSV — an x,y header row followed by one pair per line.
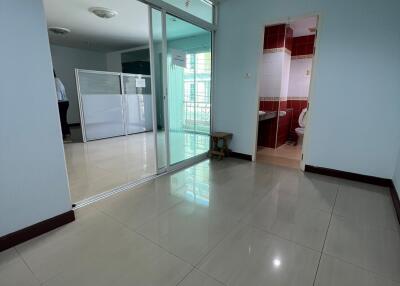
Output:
x,y
396,177
356,92
33,179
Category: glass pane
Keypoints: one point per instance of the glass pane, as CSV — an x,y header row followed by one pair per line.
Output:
x,y
189,81
157,71
200,8
102,106
137,84
139,116
99,83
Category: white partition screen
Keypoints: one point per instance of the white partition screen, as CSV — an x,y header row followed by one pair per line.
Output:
x,y
113,104
137,90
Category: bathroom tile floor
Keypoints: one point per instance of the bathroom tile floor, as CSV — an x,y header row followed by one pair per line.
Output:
x,y
227,222
286,155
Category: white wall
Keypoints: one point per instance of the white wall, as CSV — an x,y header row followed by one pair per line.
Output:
x,y
285,74
271,74
355,96
300,76
114,62
65,61
33,179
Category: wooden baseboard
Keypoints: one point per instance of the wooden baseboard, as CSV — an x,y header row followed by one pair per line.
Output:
x,y
361,178
35,230
396,200
350,176
241,156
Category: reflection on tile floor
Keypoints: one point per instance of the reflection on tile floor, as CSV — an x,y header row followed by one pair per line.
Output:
x,y
98,166
227,222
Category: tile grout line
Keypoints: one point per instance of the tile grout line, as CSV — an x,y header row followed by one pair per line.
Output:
x,y
134,231
326,235
184,276
280,237
234,228
163,248
26,264
382,276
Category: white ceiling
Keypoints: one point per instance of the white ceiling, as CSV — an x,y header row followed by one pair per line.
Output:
x,y
301,27
127,30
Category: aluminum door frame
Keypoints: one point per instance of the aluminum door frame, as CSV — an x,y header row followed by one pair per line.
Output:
x,y
204,25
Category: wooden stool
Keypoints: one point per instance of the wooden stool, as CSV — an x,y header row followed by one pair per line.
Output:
x,y
220,151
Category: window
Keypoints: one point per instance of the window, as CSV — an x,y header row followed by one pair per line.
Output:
x,y
197,78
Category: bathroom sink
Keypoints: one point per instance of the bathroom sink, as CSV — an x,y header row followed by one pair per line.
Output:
x,y
266,115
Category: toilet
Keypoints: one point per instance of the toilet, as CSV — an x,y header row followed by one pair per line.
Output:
x,y
302,124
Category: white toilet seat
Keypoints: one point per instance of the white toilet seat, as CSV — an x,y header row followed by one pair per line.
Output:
x,y
302,118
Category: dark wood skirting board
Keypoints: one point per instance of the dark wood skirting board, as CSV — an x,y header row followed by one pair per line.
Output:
x,y
35,230
396,200
241,156
350,176
361,178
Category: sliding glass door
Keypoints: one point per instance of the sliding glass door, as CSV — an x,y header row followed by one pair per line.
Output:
x,y
183,61
189,82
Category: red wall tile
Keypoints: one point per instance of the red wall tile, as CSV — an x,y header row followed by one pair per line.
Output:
x,y
303,45
274,36
269,105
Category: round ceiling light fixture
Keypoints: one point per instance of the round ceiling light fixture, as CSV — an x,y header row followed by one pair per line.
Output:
x,y
59,31
104,13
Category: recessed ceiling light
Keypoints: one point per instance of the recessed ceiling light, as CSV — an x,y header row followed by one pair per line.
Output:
x,y
103,12
59,31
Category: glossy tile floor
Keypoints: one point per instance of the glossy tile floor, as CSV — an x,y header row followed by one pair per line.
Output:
x,y
98,166
227,222
286,155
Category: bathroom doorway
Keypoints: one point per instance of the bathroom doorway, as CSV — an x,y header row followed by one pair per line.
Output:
x,y
285,78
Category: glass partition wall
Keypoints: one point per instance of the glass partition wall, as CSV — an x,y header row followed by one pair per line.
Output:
x,y
182,63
